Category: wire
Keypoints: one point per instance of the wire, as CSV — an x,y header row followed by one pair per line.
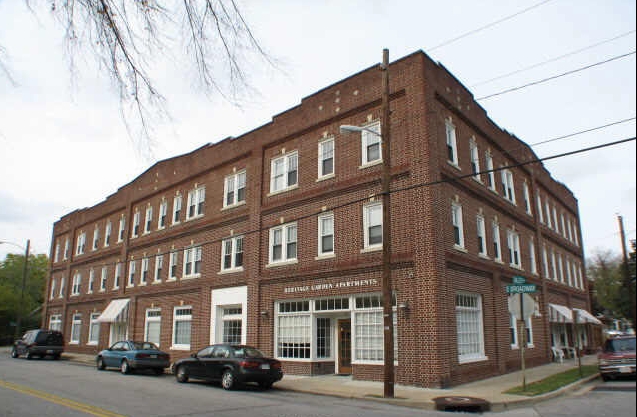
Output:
x,y
471,32
582,131
556,76
552,59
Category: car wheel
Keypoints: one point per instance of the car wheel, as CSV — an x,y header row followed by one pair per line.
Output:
x,y
265,384
29,355
181,374
125,367
227,380
606,377
14,353
158,371
100,364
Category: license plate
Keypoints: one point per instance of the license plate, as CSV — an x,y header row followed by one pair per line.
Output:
x,y
49,351
265,366
624,370
153,356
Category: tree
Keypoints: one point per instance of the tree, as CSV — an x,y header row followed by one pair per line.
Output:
x,y
126,37
11,289
610,295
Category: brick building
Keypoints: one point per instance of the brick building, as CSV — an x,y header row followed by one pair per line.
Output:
x,y
274,239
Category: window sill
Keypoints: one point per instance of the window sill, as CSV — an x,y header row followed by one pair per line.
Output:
x,y
174,279
484,256
74,342
282,263
370,164
498,261
326,177
518,267
180,347
478,180
368,249
460,248
235,205
91,344
193,276
455,165
156,282
130,286
142,284
493,190
326,256
195,217
283,190
230,271
473,359
146,232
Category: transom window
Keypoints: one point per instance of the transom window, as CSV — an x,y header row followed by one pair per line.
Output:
x,y
373,225
283,243
294,306
469,327
196,200
326,157
235,189
331,304
232,253
284,172
371,143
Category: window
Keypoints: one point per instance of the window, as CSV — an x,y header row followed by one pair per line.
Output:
x,y
235,189
456,220
132,265
55,322
152,327
368,337
122,229
326,158
490,173
283,243
553,266
182,320
323,337
62,283
77,283
555,223
452,150
545,262
144,276
232,323
331,304
548,214
159,265
569,277
232,253
560,269
570,230
540,212
482,240
91,280
56,257
172,267
177,209
67,248
508,189
513,328
118,275
136,220
81,243
575,238
371,144
326,234
527,198
284,172
294,335
563,221
103,278
475,159
149,219
469,327
196,200
108,230
76,328
96,237
94,329
532,256
52,294
497,253
373,225
192,262
513,240
163,210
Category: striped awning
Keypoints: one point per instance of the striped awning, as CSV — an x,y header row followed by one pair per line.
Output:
x,y
584,316
115,311
560,314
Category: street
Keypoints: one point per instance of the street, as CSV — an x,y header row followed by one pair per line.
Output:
x,y
61,388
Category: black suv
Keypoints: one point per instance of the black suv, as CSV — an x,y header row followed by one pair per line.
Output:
x,y
39,343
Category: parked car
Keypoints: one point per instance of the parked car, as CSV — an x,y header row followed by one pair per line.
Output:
x,y
232,365
40,343
128,355
617,357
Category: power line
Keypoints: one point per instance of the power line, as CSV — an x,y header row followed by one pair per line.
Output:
x,y
552,59
471,32
582,131
556,76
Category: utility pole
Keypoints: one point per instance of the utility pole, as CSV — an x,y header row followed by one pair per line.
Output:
x,y
18,327
628,282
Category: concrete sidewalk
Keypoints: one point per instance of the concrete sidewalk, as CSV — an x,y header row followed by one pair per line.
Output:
x,y
490,389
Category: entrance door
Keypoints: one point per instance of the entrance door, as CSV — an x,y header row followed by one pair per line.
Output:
x,y
345,346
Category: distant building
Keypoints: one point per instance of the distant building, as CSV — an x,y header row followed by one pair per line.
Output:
x,y
274,239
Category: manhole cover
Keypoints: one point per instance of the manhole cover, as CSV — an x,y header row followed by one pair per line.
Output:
x,y
459,403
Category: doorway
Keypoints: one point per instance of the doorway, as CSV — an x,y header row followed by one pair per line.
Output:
x,y
345,347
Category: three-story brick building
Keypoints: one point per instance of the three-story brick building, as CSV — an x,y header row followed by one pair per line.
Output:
x,y
274,239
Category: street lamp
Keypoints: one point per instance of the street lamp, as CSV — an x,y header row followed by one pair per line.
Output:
x,y
24,282
388,322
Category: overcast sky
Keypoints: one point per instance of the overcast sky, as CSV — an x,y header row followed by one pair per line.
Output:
x,y
64,146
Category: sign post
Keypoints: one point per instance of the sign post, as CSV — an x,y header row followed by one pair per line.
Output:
x,y
520,288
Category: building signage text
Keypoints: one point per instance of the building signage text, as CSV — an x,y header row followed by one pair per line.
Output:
x,y
331,285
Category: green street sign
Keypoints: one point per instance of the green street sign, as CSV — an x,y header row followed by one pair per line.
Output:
x,y
523,288
518,280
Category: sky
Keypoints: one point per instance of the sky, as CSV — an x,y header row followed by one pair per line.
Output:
x,y
64,145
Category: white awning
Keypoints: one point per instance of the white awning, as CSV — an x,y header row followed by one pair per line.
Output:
x,y
584,316
114,310
560,314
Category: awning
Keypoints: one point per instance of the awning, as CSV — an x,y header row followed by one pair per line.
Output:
x,y
114,310
584,316
560,314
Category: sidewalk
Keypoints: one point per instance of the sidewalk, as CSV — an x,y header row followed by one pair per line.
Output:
x,y
490,389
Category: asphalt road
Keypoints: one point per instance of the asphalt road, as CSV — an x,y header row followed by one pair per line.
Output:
x,y
61,388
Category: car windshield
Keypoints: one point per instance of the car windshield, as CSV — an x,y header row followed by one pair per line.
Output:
x,y
620,345
143,345
247,352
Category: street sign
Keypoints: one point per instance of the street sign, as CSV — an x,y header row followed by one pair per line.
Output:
x,y
518,280
517,289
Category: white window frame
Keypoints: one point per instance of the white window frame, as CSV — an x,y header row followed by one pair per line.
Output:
x,y
196,202
293,328
563,221
62,284
540,212
284,230
476,312
77,284
323,232
81,243
482,236
52,293
569,277
457,223
560,268
553,265
547,207
474,157
287,161
545,262
67,248
528,325
326,154
497,245
148,220
172,265
56,257
451,142
231,314
232,184
527,198
177,205
370,136
151,317
122,229
372,218
55,322
508,186
91,281
555,223
117,275
532,256
232,247
490,173
192,262
136,222
76,325
162,214
103,278
159,266
143,276
93,330
132,268
513,243
181,318
96,238
108,231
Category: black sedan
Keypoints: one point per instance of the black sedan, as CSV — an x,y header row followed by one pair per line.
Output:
x,y
128,355
232,365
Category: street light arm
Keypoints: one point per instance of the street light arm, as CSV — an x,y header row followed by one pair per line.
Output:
x,y
11,243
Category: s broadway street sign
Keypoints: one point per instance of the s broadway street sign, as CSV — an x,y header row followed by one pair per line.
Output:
x,y
522,288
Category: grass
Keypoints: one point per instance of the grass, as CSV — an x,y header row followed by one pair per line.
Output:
x,y
554,382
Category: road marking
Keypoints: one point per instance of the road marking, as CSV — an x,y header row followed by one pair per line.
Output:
x,y
86,408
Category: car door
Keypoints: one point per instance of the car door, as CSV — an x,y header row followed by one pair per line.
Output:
x,y
26,340
221,356
197,366
113,354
